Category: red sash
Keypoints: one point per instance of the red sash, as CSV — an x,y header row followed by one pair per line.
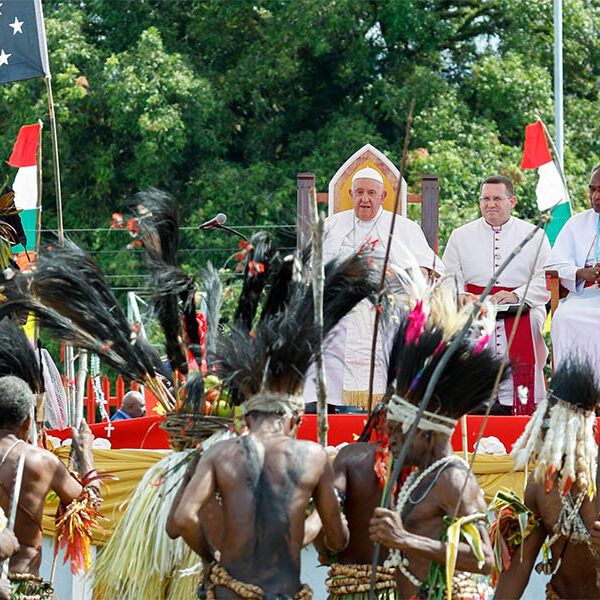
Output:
x,y
521,354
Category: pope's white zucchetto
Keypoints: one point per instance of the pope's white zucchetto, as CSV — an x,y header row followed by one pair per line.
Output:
x,y
368,173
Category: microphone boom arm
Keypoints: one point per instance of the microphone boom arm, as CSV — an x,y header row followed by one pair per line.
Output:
x,y
231,230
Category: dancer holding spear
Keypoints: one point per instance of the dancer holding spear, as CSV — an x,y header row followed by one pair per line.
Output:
x,y
425,563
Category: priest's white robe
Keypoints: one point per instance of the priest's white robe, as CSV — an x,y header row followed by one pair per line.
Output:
x,y
347,350
475,251
575,325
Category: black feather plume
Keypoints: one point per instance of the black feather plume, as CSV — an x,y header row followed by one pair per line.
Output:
x,y
575,382
467,380
17,356
213,302
69,281
257,266
193,393
157,218
168,285
276,355
347,282
285,285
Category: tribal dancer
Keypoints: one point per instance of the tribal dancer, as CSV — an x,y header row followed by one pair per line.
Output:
x,y
43,472
359,478
426,543
560,440
265,479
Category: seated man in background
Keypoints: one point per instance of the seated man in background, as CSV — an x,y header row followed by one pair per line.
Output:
x,y
576,257
132,407
348,349
473,254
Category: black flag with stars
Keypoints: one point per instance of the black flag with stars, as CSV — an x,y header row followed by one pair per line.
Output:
x,y
23,48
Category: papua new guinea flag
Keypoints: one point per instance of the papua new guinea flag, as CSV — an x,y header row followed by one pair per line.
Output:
x,y
23,48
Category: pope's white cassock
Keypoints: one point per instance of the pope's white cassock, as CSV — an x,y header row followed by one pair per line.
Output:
x,y
347,351
473,253
575,325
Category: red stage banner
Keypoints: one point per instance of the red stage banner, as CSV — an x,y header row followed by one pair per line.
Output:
x,y
145,433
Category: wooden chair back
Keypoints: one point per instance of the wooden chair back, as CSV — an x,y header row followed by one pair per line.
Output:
x,y
557,291
338,197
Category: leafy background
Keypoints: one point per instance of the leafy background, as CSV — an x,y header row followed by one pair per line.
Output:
x,y
223,102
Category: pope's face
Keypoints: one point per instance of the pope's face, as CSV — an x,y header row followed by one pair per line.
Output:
x,y
495,203
595,190
367,196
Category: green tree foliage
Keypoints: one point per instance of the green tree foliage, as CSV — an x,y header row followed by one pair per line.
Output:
x,y
222,102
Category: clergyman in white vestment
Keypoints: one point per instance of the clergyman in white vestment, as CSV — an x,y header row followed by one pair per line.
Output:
x,y
347,351
576,256
473,253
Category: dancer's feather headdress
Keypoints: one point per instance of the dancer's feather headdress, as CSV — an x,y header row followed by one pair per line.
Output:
x,y
272,360
17,356
157,220
76,303
257,255
559,437
466,381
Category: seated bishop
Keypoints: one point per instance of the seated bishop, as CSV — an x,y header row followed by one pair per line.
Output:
x,y
473,254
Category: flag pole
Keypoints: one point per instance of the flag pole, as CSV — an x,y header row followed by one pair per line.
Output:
x,y
59,214
558,81
38,216
69,367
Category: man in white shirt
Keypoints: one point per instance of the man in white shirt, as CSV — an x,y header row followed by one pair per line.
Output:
x,y
348,349
576,257
473,254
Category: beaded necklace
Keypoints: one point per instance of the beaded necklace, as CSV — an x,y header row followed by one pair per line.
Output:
x,y
395,557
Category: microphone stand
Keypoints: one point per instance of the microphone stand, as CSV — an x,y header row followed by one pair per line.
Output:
x,y
231,230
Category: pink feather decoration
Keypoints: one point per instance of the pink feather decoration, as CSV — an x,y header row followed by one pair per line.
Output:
x,y
417,319
481,344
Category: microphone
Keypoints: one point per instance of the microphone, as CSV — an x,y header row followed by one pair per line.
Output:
x,y
214,222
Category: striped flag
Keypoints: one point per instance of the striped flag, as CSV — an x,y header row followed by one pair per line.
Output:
x,y
550,189
24,156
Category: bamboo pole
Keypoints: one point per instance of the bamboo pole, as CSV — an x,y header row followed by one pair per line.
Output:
x,y
38,216
317,223
465,442
82,374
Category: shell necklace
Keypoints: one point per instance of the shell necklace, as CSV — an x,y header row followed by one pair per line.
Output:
x,y
395,557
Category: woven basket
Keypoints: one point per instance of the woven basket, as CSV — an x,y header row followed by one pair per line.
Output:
x,y
186,430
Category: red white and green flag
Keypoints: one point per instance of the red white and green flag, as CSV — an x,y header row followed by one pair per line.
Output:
x,y
550,190
24,157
